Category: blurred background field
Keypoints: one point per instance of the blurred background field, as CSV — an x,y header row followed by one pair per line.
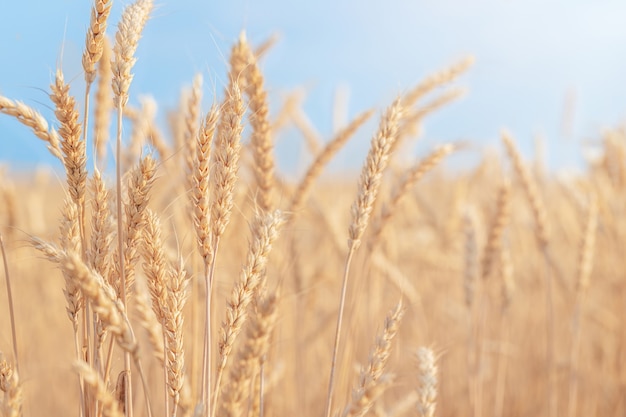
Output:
x,y
521,296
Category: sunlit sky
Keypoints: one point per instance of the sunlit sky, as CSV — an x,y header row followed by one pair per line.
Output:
x,y
530,55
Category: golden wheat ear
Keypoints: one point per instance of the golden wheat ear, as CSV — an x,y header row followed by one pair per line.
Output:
x,y
265,230
372,380
427,386
29,117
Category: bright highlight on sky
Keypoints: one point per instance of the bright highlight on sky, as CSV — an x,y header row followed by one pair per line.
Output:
x,y
532,57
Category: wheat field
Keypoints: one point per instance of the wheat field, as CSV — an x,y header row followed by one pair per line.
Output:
x,y
186,275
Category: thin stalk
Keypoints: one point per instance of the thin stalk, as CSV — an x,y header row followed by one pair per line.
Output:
x,y
107,365
144,384
194,324
344,287
218,379
167,397
81,388
206,355
482,307
120,246
10,297
261,388
503,362
550,345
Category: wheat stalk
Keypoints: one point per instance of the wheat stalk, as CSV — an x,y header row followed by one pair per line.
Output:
x,y
369,183
7,277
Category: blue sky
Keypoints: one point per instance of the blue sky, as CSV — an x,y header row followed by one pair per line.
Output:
x,y
530,55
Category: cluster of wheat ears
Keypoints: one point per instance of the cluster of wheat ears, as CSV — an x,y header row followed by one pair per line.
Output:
x,y
175,309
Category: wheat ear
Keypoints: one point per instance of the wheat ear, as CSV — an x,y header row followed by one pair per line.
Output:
x,y
102,228
250,355
95,39
322,159
109,404
103,104
411,177
261,140
471,258
156,271
369,183
153,134
226,162
173,328
371,380
530,189
105,302
427,389
139,186
74,149
493,247
148,320
28,116
189,128
155,264
94,51
70,242
200,195
264,229
413,119
140,130
437,79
